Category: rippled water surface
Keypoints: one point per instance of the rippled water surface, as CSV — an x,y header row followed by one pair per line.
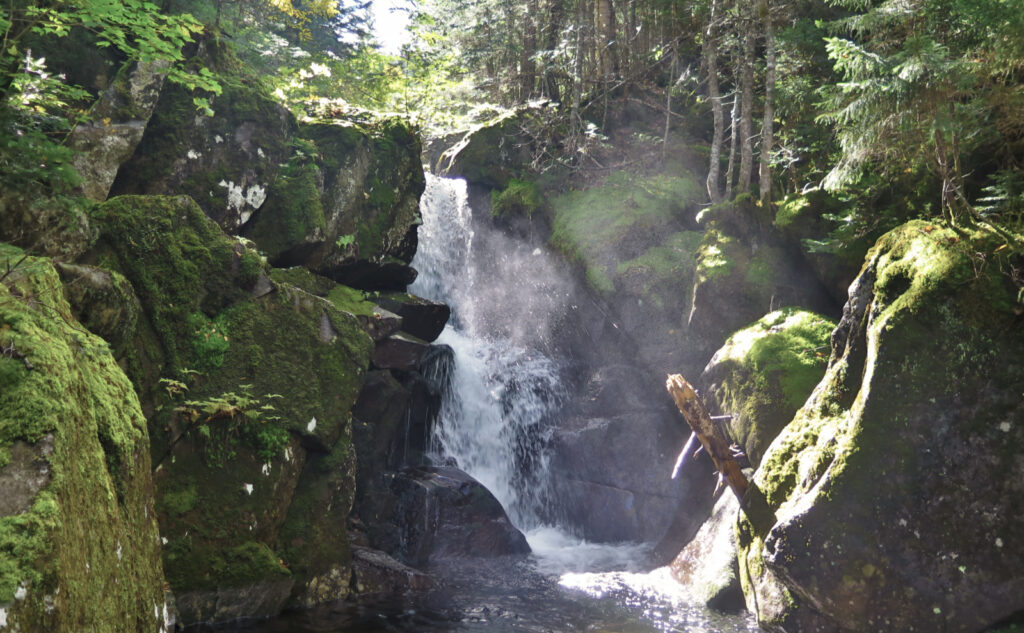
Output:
x,y
548,591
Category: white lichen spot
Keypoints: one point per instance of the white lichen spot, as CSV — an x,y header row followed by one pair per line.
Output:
x,y
120,552
903,523
1005,427
163,540
266,469
259,152
3,617
287,453
244,216
937,611
248,488
21,593
999,542
48,604
193,154
236,199
218,139
256,196
311,426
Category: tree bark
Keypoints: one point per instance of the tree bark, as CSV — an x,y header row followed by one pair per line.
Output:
x,y
711,56
606,29
734,122
713,441
767,127
746,106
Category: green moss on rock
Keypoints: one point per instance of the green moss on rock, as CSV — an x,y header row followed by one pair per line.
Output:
x,y
83,546
765,372
907,438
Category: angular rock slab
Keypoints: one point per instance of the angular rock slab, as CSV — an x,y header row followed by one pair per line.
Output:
x,y
445,513
898,487
707,566
421,317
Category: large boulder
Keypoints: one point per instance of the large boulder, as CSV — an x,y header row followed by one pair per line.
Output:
x,y
896,490
224,161
445,513
491,153
248,384
744,270
765,372
612,478
115,126
78,537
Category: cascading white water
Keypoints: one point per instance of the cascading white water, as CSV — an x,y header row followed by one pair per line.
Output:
x,y
494,418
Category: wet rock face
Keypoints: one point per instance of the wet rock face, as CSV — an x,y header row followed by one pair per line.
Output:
x,y
896,489
612,478
445,513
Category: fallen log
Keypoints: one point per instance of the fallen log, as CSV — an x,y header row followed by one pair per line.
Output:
x,y
711,438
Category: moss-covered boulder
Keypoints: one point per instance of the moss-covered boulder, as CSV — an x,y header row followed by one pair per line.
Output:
x,y
248,390
225,161
896,491
804,219
765,372
492,153
79,547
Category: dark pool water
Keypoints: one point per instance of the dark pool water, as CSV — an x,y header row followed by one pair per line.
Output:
x,y
547,592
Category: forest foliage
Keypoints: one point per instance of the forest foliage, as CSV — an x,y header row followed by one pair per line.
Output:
x,y
893,109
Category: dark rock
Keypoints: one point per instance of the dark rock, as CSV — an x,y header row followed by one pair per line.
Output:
x,y
445,513
421,317
620,389
377,573
259,600
707,566
399,351
225,162
612,478
388,277
894,504
103,301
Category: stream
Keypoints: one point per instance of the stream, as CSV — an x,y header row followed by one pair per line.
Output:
x,y
495,423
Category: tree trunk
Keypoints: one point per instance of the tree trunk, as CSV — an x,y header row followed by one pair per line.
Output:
x,y
713,441
528,62
711,56
734,122
767,127
746,107
606,28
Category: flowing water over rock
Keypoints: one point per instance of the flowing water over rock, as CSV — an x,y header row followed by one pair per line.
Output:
x,y
495,423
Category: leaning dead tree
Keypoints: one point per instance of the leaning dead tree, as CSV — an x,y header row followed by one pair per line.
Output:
x,y
715,443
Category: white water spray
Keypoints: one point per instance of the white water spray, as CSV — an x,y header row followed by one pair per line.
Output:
x,y
495,418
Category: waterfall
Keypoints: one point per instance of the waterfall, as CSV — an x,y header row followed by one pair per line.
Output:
x,y
495,419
